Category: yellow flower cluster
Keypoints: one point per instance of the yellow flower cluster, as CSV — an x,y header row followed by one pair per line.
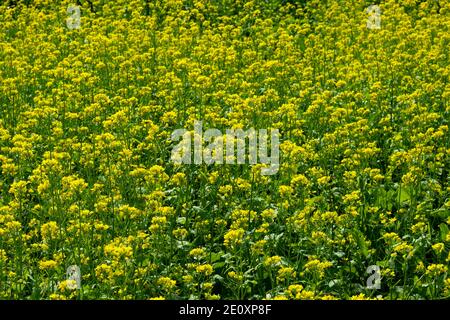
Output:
x,y
87,183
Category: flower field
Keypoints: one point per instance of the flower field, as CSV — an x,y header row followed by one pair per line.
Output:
x,y
358,209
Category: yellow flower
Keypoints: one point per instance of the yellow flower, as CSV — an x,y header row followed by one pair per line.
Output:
x,y
328,297
206,269
274,261
47,264
438,247
103,272
67,285
280,297
360,296
286,273
299,180
18,189
317,267
158,223
197,253
235,276
447,286
233,237
49,230
117,250
3,256
166,283
179,178
55,296
435,270
285,191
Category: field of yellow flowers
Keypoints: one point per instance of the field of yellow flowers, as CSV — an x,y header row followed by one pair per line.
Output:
x,y
362,195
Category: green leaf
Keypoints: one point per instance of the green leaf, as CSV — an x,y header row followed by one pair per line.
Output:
x,y
441,213
216,256
360,239
444,231
404,195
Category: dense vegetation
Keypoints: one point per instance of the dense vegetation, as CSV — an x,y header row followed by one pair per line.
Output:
x,y
86,179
